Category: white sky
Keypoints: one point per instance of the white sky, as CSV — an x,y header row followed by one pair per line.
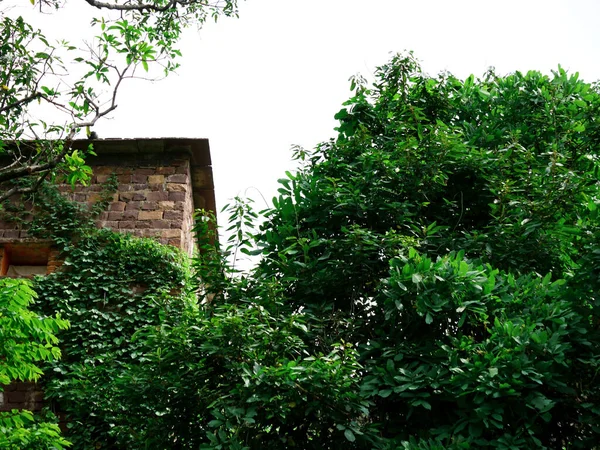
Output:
x,y
276,76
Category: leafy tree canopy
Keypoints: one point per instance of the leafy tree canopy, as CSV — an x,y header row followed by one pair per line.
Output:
x,y
51,90
428,280
450,232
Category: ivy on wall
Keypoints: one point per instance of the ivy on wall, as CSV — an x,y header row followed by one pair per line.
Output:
x,y
110,286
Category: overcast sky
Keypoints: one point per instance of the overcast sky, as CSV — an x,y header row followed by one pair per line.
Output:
x,y
256,85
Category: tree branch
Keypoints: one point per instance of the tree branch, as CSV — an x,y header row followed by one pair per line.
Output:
x,y
23,101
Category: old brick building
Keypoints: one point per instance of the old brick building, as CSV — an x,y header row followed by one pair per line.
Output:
x,y
160,183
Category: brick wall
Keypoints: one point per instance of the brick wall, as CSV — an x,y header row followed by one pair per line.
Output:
x,y
21,396
161,182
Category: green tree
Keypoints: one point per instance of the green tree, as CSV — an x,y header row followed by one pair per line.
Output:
x,y
450,232
50,91
26,339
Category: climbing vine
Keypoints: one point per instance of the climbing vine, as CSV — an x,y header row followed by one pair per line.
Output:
x,y
110,286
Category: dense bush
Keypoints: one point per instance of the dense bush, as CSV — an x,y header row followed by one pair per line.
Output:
x,y
451,232
110,286
429,279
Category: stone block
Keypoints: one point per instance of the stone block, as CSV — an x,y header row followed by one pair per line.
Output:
x,y
170,233
103,170
126,196
130,215
177,224
139,178
124,178
133,206
117,206
145,171
178,178
177,196
125,188
94,198
150,215
166,206
149,206
127,224
156,179
115,215
176,187
165,170
160,224
173,215
156,187
139,196
157,196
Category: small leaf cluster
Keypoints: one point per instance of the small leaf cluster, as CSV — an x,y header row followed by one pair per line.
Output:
x,y
26,340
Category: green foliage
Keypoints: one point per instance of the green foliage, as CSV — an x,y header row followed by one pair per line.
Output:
x,y
429,280
26,339
423,234
21,430
110,286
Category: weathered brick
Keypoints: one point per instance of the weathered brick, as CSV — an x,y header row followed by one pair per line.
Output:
x,y
124,178
157,196
130,215
139,178
176,187
115,215
131,206
117,206
149,206
126,196
178,224
165,206
125,188
156,179
182,168
171,233
177,196
159,224
178,178
175,242
150,215
139,196
148,171
127,224
165,170
173,215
